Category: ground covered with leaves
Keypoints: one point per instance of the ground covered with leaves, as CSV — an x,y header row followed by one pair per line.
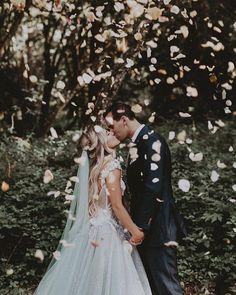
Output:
x,y
35,174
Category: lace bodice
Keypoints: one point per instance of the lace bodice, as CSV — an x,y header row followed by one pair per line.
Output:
x,y
100,211
112,165
102,203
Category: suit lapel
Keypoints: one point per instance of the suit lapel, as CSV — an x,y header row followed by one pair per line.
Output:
x,y
142,132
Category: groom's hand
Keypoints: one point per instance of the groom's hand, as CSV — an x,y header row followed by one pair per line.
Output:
x,y
135,243
137,238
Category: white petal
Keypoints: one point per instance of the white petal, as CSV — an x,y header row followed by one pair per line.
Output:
x,y
136,9
54,193
231,66
156,157
214,176
137,108
184,185
133,153
156,146
231,149
154,13
155,180
192,91
39,254
157,80
182,136
48,176
119,6
53,132
33,79
80,80
184,30
98,128
189,140
159,200
74,178
87,78
57,255
196,157
171,243
9,271
210,126
100,38
220,123
69,197
170,80
154,166
184,115
60,85
175,9
76,137
221,164
171,135
174,49
130,63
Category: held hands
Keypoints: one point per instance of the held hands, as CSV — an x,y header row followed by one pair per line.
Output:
x,y
137,237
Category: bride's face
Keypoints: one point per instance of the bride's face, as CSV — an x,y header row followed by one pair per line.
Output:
x,y
112,141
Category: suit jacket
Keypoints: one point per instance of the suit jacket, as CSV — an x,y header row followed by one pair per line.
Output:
x,y
152,204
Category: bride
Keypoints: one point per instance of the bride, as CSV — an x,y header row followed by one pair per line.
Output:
x,y
96,254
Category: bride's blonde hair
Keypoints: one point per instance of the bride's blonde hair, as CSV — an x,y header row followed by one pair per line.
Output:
x,y
94,140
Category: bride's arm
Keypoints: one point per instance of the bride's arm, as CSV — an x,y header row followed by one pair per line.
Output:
x,y
115,196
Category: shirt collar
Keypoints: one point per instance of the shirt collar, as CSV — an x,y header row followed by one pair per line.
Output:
x,y
136,133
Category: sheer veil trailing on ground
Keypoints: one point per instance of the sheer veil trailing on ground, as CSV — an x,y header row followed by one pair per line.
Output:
x,y
77,221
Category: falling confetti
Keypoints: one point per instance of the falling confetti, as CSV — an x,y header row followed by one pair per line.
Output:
x,y
94,243
184,185
171,135
9,271
214,176
5,187
196,157
137,108
53,133
57,255
48,176
39,254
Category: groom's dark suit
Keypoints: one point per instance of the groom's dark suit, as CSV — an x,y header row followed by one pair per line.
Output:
x,y
153,209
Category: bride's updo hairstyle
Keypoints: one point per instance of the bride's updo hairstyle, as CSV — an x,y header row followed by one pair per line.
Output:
x,y
94,141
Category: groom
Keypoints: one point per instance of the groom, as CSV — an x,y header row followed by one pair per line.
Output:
x,y
152,204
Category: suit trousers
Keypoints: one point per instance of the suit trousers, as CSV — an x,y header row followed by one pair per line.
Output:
x,y
160,264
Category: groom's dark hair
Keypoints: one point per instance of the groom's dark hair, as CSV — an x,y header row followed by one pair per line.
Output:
x,y
118,110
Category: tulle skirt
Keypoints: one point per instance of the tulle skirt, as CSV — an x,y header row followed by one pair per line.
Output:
x,y
99,262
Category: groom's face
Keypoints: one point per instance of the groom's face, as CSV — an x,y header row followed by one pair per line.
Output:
x,y
119,127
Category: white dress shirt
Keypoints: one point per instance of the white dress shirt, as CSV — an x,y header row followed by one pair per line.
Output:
x,y
136,133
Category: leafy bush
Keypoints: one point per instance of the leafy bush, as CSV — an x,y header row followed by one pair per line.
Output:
x,y
31,220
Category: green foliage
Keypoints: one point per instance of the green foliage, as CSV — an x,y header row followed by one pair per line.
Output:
x,y
31,220
209,207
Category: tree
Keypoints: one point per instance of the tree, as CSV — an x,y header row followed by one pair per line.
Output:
x,y
74,59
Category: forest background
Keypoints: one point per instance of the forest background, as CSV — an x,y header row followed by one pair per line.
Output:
x,y
61,64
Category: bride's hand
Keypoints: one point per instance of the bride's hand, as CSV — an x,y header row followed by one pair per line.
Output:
x,y
137,237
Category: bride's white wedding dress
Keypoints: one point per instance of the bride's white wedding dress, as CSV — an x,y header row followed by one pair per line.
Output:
x,y
102,262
